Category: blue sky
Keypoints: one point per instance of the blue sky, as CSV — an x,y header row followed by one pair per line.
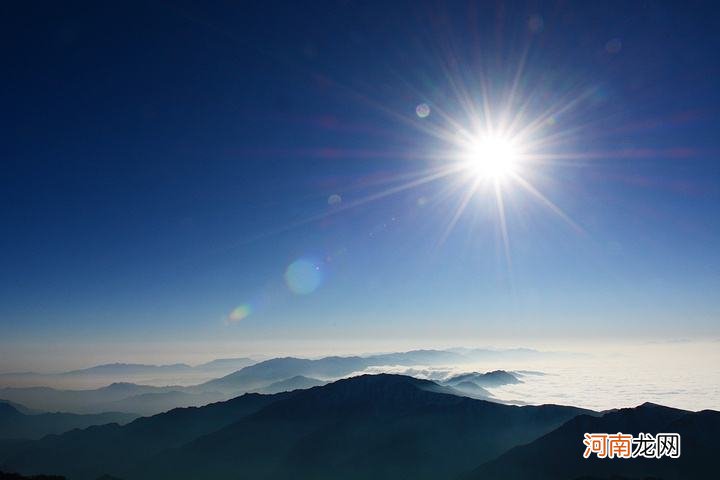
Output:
x,y
164,164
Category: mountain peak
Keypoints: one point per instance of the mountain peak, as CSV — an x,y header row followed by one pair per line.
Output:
x,y
365,393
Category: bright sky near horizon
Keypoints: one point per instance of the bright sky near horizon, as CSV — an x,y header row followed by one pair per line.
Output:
x,y
234,176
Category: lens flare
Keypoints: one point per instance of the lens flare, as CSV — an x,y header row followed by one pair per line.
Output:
x,y
422,110
303,276
239,313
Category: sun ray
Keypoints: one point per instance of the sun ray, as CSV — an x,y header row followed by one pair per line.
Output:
x,y
459,211
503,225
548,203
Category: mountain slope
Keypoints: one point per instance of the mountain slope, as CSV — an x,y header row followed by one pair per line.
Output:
x,y
20,408
262,374
99,375
297,382
15,424
270,371
490,379
89,453
372,426
148,400
558,455
363,427
128,369
157,402
78,401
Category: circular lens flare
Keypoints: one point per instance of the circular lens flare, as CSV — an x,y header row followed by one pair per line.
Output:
x,y
303,276
493,157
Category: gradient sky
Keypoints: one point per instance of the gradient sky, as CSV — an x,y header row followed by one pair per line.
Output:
x,y
164,163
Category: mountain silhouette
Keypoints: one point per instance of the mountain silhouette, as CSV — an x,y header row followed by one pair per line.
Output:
x,y
20,408
559,454
270,371
142,399
471,389
106,449
129,369
15,424
98,375
295,383
372,426
79,401
362,427
156,402
262,374
119,368
490,379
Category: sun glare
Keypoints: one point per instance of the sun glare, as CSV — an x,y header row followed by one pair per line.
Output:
x,y
493,157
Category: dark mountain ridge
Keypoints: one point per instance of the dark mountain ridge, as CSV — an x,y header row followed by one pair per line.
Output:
x,y
559,454
14,424
372,425
97,450
495,378
266,376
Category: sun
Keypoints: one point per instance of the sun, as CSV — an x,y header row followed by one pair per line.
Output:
x,y
493,157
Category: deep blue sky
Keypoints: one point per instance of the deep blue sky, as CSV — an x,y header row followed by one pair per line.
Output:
x,y
165,162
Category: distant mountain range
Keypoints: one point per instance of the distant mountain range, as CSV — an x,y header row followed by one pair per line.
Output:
x,y
270,376
372,426
101,375
17,422
332,368
297,382
125,397
184,374
141,368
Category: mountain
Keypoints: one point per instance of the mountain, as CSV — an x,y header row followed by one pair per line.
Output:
x,y
99,375
511,354
89,453
78,401
14,424
265,373
129,369
372,426
418,357
20,408
471,389
261,374
148,399
297,382
490,379
226,365
559,454
264,376
362,427
118,397
157,402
